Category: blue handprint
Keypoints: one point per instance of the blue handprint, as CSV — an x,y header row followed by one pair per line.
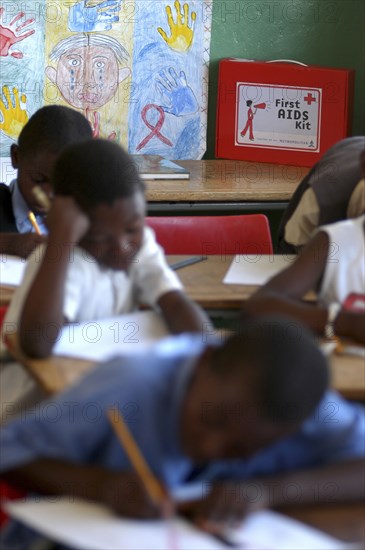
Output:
x,y
85,16
174,88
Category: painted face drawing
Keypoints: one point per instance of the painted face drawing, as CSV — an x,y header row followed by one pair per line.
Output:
x,y
88,70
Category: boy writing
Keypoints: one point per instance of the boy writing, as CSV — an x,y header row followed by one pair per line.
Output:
x,y
333,265
234,415
40,142
100,259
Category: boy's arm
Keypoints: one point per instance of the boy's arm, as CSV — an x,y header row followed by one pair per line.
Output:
x,y
283,294
232,501
182,314
20,244
42,314
121,491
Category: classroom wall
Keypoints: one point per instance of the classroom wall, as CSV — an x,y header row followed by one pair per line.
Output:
x,y
319,32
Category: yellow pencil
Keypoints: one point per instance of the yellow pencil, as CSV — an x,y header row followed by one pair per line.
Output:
x,y
33,221
152,485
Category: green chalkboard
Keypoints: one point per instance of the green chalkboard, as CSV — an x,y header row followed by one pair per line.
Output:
x,y
330,33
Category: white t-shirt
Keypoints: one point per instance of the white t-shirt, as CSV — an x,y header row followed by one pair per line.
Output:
x,y
345,268
93,292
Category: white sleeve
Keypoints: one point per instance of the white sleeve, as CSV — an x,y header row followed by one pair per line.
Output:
x,y
75,287
151,275
16,305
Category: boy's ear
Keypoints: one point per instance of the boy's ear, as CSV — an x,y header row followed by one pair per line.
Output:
x,y
14,154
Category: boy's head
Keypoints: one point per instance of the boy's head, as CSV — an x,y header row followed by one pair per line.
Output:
x,y
104,182
258,387
47,132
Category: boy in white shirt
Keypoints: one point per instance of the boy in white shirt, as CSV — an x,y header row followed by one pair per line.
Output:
x,y
100,258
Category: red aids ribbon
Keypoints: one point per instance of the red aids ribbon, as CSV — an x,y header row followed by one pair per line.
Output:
x,y
155,130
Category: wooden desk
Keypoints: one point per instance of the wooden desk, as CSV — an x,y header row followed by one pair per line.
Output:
x,y
56,373
226,186
203,282
6,293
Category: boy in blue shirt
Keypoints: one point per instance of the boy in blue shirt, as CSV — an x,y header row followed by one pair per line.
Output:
x,y
253,411
40,142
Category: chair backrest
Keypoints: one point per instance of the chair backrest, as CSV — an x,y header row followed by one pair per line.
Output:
x,y
215,235
3,310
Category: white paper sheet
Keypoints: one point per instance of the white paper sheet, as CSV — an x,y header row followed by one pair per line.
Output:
x,y
104,338
11,270
257,269
88,526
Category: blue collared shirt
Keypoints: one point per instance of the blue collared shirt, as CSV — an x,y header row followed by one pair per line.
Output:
x,y
21,210
149,391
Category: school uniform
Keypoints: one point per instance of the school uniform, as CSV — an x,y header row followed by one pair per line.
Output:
x,y
149,391
94,292
332,191
14,211
345,267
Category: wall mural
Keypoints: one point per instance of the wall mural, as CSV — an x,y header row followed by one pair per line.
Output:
x,y
137,69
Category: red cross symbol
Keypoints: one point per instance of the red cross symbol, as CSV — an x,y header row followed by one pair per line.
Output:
x,y
309,98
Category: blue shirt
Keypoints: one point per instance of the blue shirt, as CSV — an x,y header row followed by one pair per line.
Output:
x,y
149,391
21,210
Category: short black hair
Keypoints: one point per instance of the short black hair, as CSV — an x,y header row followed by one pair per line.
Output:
x,y
52,128
288,371
94,172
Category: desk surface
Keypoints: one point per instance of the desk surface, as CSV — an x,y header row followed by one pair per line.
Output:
x,y
228,181
203,282
55,373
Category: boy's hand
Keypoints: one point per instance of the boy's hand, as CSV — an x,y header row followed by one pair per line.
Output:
x,y
66,221
127,496
227,504
21,244
351,324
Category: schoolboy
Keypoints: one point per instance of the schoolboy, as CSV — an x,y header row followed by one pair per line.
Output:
x,y
100,259
333,265
41,140
332,191
239,415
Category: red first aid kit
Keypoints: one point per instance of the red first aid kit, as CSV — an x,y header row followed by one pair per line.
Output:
x,y
281,111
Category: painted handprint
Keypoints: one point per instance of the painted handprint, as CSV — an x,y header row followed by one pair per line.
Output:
x,y
174,88
93,15
181,34
13,116
94,119
13,33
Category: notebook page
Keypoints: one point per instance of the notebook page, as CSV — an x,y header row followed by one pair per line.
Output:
x,y
248,269
92,526
99,340
11,270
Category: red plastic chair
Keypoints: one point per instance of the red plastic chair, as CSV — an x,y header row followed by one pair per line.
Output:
x,y
3,310
7,492
213,235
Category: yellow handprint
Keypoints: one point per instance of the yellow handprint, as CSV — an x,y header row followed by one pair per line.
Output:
x,y
181,34
13,116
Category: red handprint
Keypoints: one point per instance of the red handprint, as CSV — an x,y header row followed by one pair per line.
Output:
x,y
10,34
